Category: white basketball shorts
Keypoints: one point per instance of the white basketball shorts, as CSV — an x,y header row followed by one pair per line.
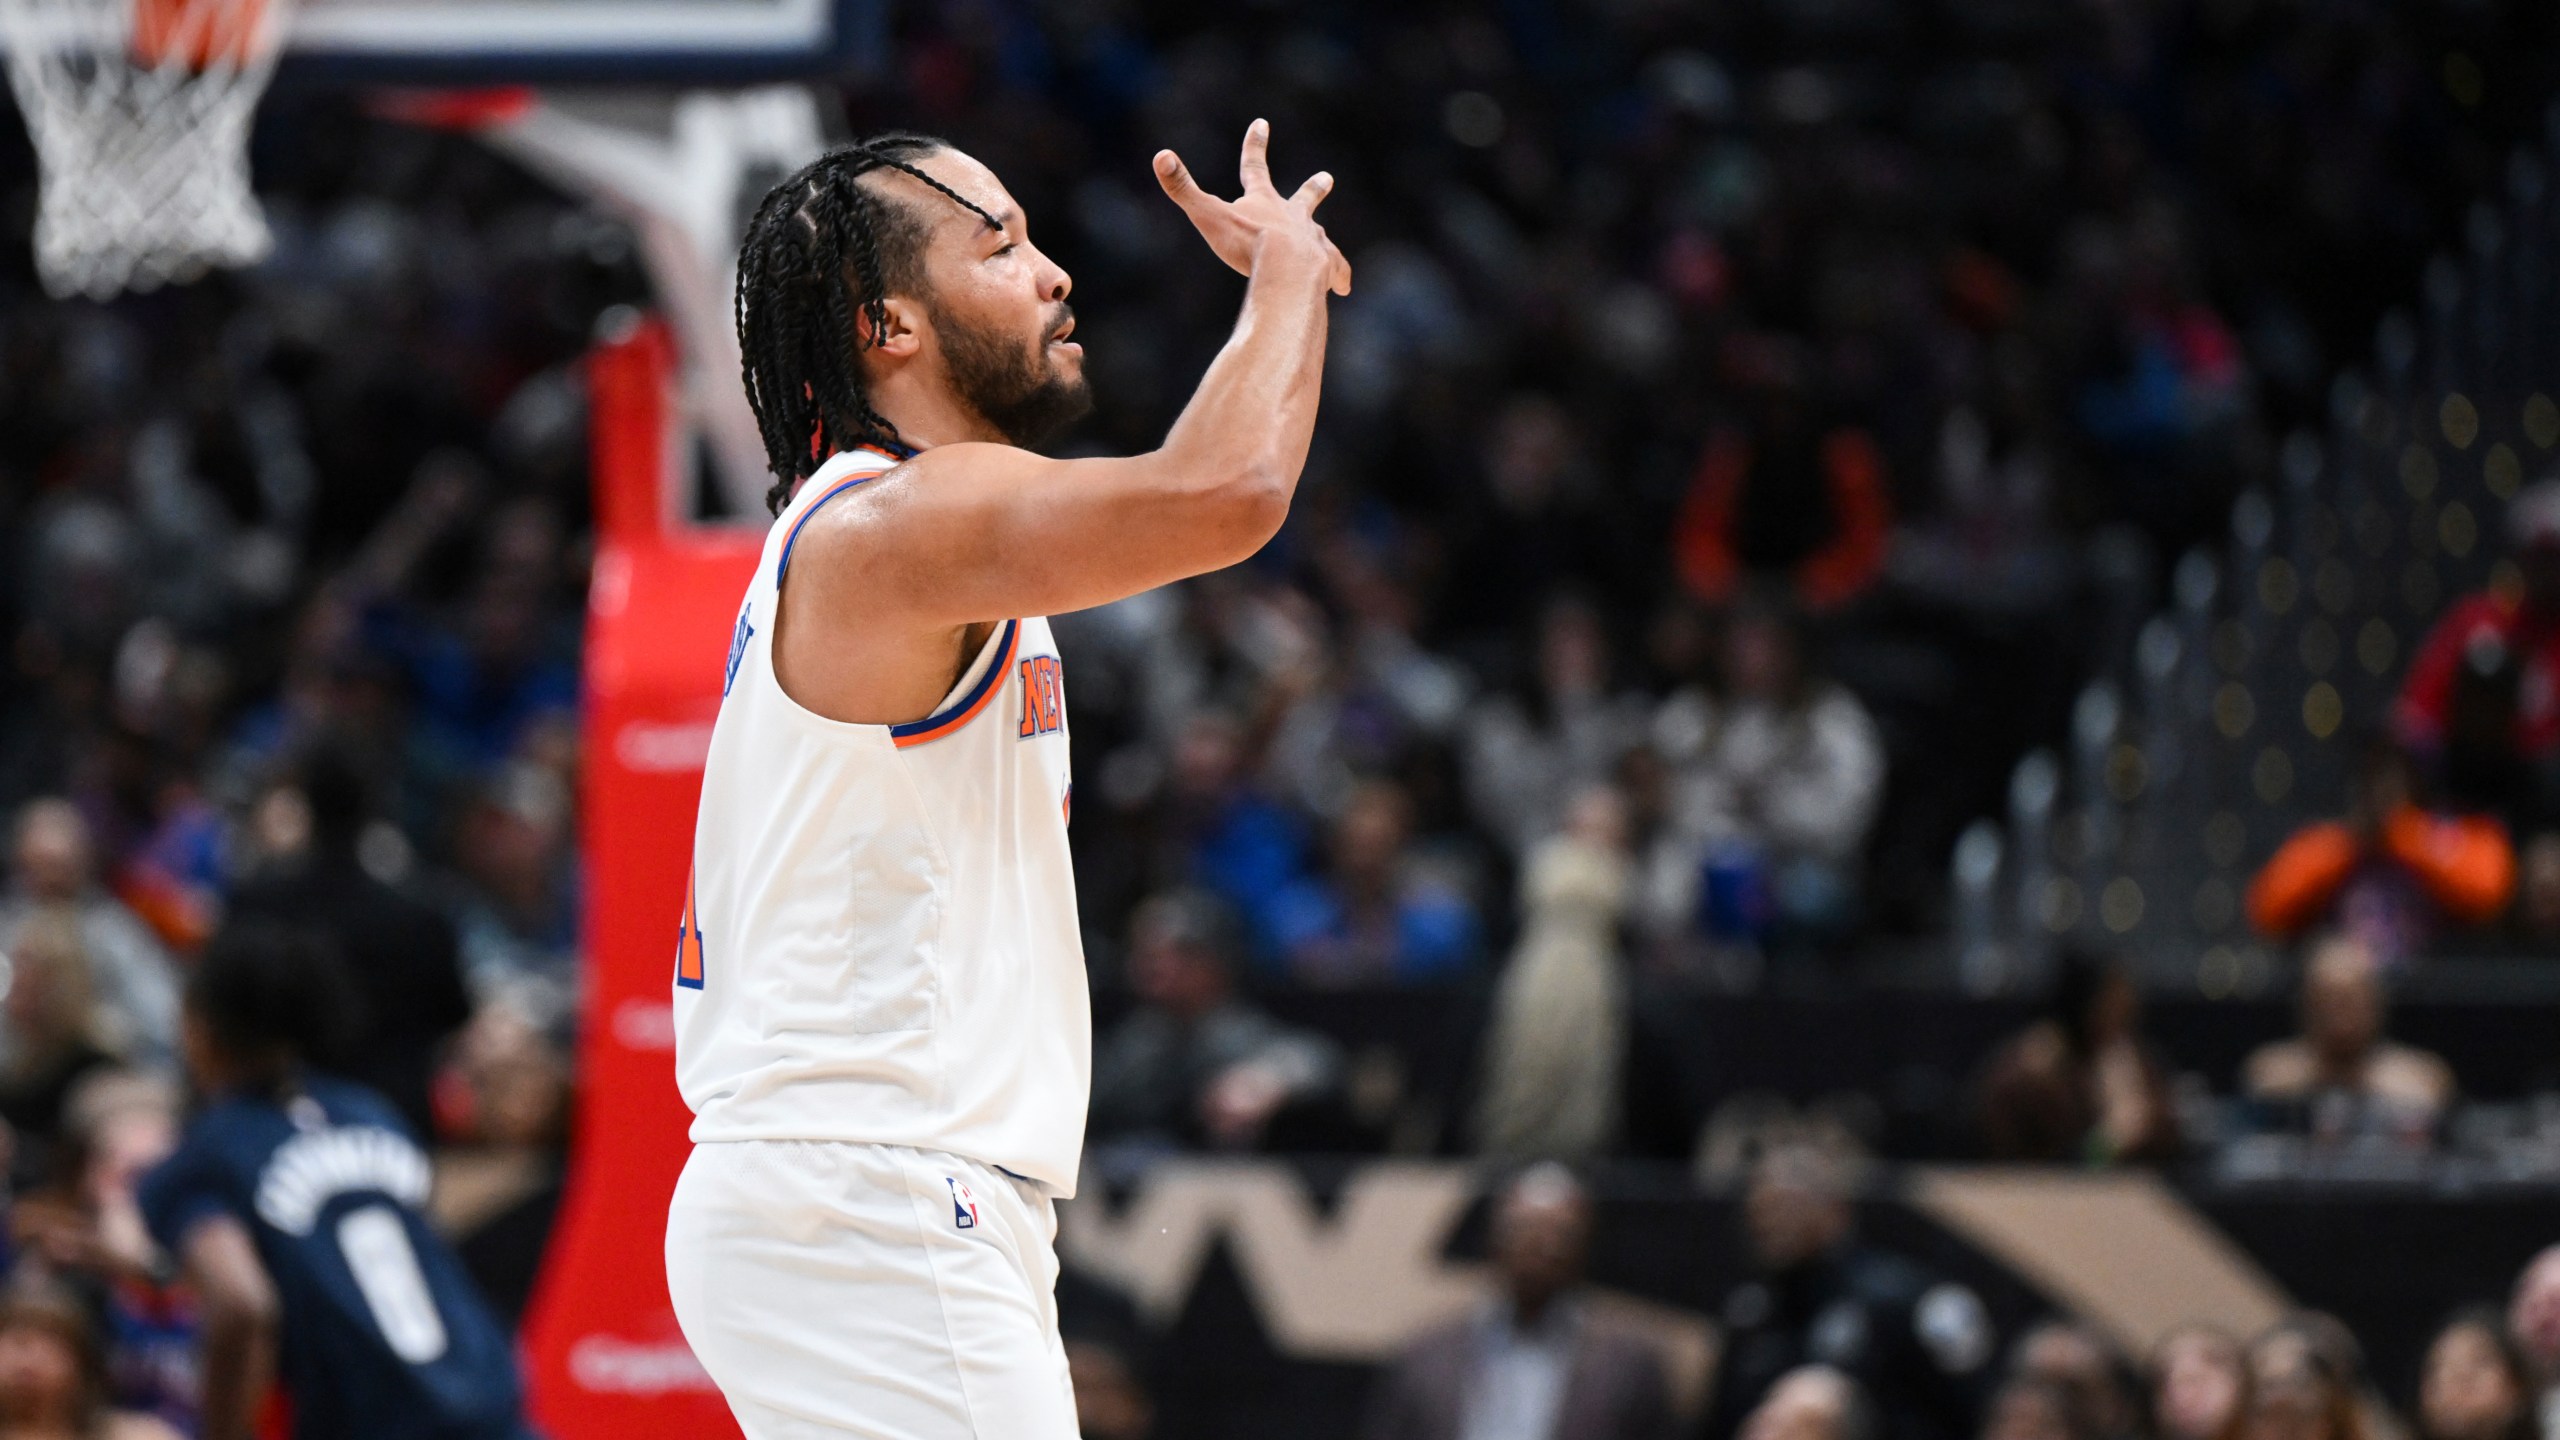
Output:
x,y
869,1290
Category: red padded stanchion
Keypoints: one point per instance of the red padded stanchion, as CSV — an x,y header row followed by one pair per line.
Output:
x,y
602,1351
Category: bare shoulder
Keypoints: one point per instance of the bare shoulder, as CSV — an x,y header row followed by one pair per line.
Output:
x,y
130,1426
873,518
946,473
867,631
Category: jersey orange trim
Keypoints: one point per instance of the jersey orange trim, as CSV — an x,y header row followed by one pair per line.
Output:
x,y
934,727
689,942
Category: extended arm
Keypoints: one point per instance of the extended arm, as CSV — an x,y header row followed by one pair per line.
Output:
x,y
240,1321
974,532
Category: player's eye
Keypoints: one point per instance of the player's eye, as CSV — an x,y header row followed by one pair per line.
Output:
x,y
1002,250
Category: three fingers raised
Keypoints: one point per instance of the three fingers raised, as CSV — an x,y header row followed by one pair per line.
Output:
x,y
1255,170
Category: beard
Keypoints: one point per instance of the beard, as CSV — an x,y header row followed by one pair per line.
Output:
x,y
1014,387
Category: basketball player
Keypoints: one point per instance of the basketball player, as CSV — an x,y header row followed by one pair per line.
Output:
x,y
880,996
296,1207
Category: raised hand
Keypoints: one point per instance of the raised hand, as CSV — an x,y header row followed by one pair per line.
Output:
x,y
1240,230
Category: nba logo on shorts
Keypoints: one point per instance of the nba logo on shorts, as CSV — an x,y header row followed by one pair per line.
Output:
x,y
964,1206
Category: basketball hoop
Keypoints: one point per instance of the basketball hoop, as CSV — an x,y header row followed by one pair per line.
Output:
x,y
140,112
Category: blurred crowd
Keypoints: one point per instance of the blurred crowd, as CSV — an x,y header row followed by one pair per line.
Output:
x,y
1840,1338
294,566
1834,1335
1734,398
1678,327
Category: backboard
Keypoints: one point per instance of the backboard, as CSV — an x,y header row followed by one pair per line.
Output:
x,y
483,42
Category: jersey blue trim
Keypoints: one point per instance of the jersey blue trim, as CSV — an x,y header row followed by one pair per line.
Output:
x,y
916,731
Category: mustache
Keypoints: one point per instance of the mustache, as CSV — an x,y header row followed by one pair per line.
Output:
x,y
1060,316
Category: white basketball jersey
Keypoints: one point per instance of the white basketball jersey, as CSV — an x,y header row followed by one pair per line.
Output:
x,y
879,944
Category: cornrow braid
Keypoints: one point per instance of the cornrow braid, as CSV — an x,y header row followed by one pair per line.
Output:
x,y
821,256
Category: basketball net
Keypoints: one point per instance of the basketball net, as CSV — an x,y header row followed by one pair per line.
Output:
x,y
140,114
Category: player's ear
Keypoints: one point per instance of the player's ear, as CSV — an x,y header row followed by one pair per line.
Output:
x,y
903,336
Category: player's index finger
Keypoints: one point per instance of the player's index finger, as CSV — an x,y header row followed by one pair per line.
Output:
x,y
1178,185
1255,167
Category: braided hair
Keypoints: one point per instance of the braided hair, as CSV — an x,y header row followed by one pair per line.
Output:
x,y
820,251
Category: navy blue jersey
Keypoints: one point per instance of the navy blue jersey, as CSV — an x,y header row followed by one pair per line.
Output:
x,y
383,1336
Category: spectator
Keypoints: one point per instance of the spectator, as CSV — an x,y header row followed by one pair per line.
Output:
x,y
1107,1358
1916,1344
2537,910
2199,1385
51,1028
1226,833
509,1084
2391,873
1812,1402
84,1225
2482,699
2028,1408
1526,761
2347,1077
2076,1360
505,1096
1376,917
1533,1362
1556,1050
2300,1388
1993,545
399,952
1779,789
502,661
519,913
2533,1323
131,976
1668,929
1541,521
2081,1085
1331,708
53,1380
2474,1384
2164,372
1110,1403
1795,496
1197,1064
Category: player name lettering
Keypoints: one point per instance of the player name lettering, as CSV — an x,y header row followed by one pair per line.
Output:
x,y
314,1168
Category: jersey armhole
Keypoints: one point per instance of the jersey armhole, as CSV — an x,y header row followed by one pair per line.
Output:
x,y
967,697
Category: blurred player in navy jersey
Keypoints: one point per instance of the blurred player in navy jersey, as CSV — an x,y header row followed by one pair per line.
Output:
x,y
295,1205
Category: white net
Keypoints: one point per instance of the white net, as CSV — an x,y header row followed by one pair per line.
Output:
x,y
140,114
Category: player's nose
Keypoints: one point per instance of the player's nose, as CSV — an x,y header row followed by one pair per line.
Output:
x,y
1055,283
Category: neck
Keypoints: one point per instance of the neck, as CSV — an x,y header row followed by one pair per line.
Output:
x,y
228,1076
30,1420
1190,1009
921,404
1530,1308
